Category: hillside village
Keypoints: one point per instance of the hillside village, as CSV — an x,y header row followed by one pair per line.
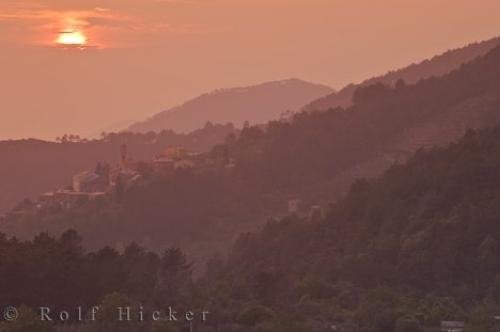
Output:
x,y
106,182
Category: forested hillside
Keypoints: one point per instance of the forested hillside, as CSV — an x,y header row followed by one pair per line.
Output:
x,y
399,253
437,66
313,157
74,279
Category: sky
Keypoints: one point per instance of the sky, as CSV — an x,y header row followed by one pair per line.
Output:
x,y
143,56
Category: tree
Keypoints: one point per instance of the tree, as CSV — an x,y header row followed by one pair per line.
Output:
x,y
174,276
108,315
400,84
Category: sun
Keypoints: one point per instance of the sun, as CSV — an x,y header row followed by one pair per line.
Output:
x,y
71,38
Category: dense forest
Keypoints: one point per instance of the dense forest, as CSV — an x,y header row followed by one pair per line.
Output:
x,y
30,167
305,158
58,274
401,252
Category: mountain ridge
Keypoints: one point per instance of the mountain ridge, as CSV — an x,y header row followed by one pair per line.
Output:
x,y
438,65
256,104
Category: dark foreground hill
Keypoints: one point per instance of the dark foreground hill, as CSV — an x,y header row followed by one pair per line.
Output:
x,y
437,66
256,104
400,253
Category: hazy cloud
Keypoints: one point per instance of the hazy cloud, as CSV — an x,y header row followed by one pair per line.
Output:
x,y
99,19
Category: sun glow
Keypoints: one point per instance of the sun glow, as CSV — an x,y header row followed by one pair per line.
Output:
x,y
71,38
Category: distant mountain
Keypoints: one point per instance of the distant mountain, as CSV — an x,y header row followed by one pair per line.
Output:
x,y
256,104
437,66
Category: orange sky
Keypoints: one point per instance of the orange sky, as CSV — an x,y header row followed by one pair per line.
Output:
x,y
147,55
